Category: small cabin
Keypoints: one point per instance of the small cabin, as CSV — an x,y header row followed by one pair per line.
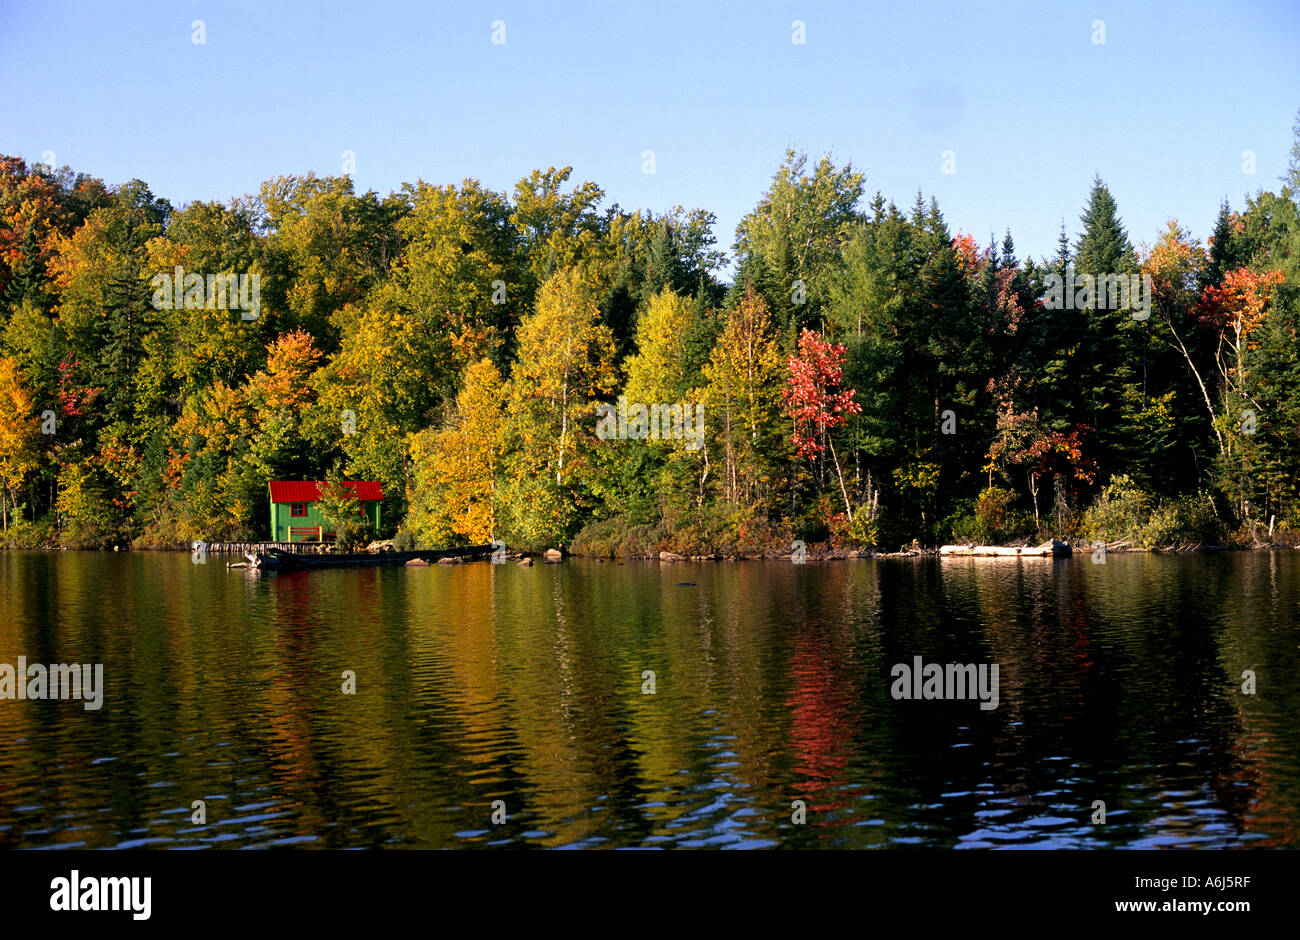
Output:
x,y
295,509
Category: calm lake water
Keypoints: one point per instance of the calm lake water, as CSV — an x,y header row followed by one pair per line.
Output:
x,y
1118,682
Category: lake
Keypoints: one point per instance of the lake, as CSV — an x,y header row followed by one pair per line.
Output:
x,y
643,704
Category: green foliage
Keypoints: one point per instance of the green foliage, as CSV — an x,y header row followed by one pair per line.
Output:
x,y
23,533
621,536
1125,513
85,509
1191,519
1120,513
992,518
344,513
565,365
797,232
862,531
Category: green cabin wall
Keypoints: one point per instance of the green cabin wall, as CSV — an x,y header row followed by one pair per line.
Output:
x,y
281,521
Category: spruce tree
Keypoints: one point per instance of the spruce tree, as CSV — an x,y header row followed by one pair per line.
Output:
x,y
29,277
1115,344
1226,252
1064,257
663,267
1103,246
1008,260
1291,178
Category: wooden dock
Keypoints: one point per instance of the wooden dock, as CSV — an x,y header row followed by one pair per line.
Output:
x,y
240,548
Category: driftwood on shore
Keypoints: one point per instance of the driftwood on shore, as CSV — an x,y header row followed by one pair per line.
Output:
x,y
1054,549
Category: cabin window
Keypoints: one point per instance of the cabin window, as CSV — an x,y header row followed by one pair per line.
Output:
x,y
297,509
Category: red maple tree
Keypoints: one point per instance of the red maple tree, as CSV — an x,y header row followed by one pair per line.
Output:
x,y
73,398
815,401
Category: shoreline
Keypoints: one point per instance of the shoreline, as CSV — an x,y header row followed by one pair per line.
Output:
x,y
811,554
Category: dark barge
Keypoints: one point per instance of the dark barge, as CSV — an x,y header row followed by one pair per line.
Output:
x,y
275,559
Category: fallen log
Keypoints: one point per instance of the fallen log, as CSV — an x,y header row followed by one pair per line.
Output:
x,y
1055,548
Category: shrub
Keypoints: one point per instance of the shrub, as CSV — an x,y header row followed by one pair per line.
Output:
x,y
1123,512
1285,533
353,534
961,526
862,532
814,523
991,519
760,533
1119,514
696,530
997,517
25,534
1179,521
619,536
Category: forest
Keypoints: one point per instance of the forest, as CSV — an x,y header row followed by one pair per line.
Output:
x,y
864,377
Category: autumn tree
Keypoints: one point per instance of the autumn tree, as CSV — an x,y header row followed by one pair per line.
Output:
x,y
556,229
19,437
565,364
104,303
745,377
326,248
1235,312
460,273
281,396
666,369
816,403
453,485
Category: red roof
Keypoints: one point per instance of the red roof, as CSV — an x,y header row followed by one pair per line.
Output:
x,y
308,491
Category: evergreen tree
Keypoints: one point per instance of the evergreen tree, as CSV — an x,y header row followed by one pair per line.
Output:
x,y
1063,255
29,281
1225,249
1103,246
1009,261
663,268
1113,343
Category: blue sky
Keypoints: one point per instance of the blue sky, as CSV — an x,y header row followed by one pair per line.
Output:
x,y
1029,104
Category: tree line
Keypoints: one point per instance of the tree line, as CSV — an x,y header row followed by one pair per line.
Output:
x,y
867,377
